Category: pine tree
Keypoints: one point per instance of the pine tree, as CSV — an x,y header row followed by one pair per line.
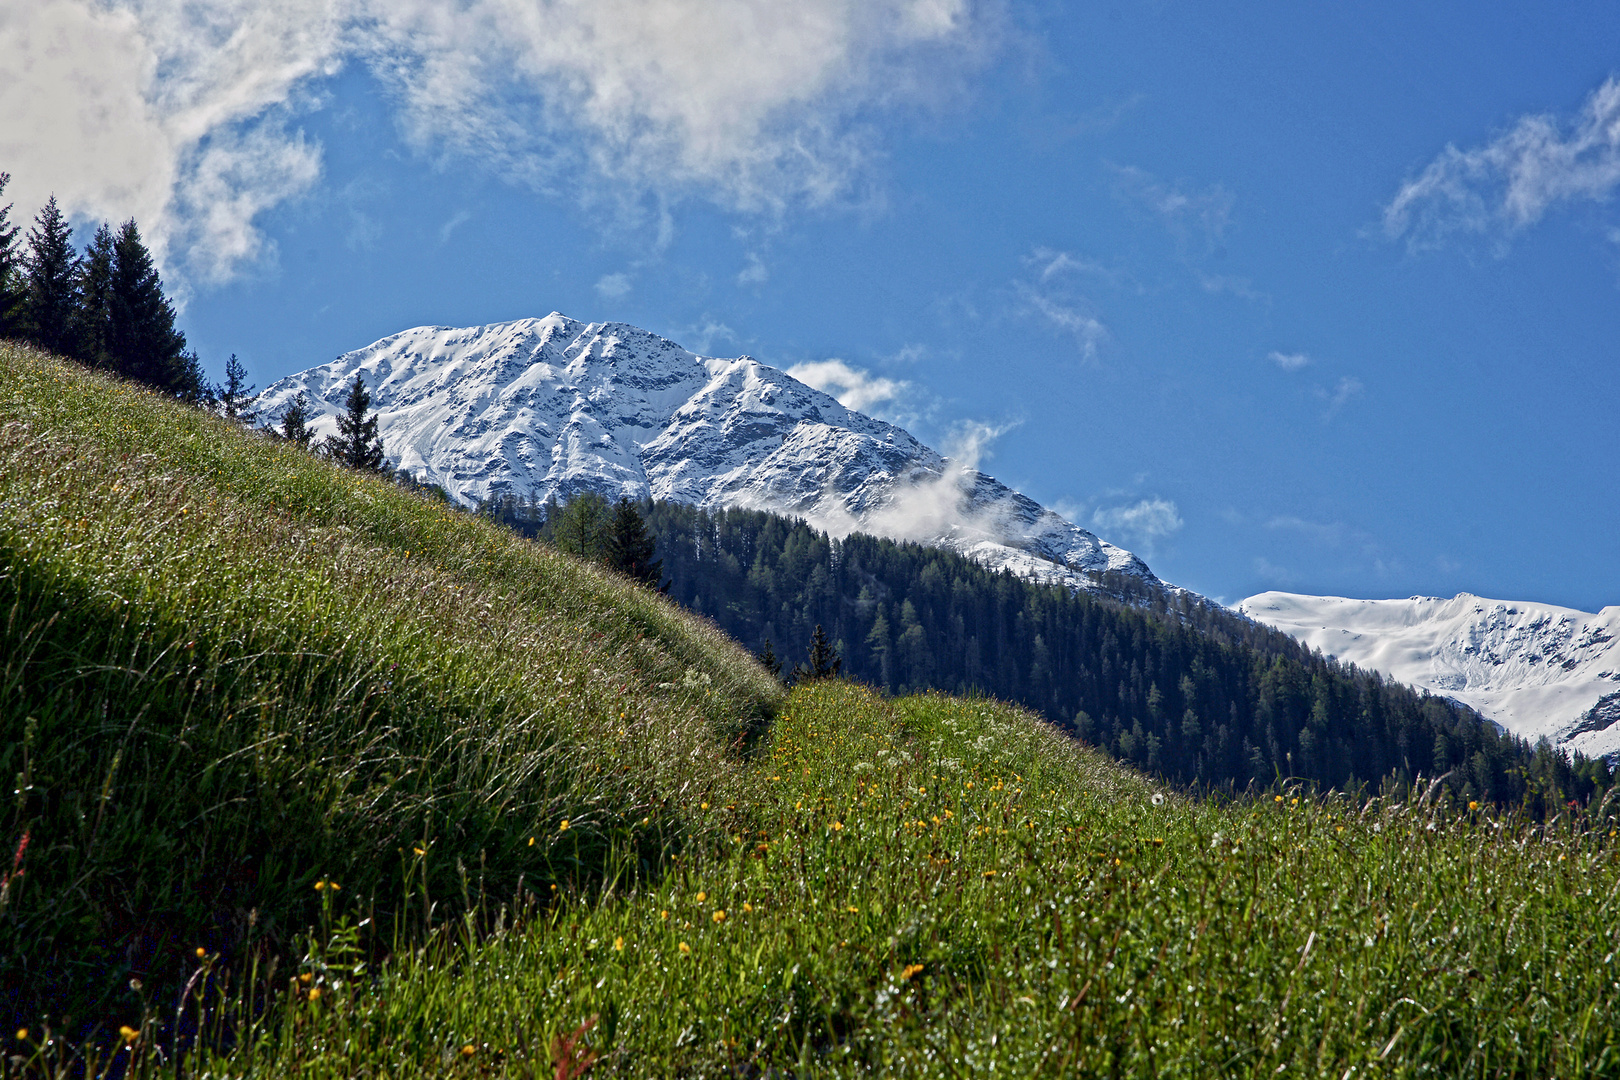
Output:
x,y
143,344
295,421
93,330
12,314
628,546
236,395
769,661
51,283
824,659
357,443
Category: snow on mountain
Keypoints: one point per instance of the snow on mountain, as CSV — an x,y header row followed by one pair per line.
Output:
x,y
553,407
1538,670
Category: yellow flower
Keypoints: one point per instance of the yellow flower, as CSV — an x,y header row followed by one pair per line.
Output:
x,y
720,915
618,944
467,1051
646,821
747,907
853,910
1473,804
202,953
1279,798
564,826
314,993
910,970
702,896
837,826
705,806
989,873
127,1032
1294,803
305,977
319,885
22,1034
423,851
686,950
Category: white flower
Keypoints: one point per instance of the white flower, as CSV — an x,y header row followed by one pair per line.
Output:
x,y
1158,798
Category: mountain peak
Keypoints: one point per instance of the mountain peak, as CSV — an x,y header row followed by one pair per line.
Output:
x,y
551,407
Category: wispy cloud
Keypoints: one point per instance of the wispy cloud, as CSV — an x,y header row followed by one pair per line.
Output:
x,y
1511,182
1188,214
853,387
1346,390
1059,304
182,112
613,286
1289,361
755,273
1138,524
455,221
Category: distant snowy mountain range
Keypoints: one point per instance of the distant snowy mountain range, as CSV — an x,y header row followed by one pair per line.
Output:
x,y
1538,670
553,406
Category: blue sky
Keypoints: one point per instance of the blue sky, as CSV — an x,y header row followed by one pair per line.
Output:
x,y
1315,298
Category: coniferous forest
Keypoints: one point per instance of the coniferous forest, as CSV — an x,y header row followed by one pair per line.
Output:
x,y
1184,689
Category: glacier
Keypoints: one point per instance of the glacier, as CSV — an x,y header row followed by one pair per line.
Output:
x,y
552,407
1538,670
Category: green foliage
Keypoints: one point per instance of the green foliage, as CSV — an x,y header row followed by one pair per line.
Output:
x,y
235,395
580,528
356,444
1188,691
141,340
13,320
231,671
295,421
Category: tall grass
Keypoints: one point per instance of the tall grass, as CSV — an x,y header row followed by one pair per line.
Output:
x,y
231,671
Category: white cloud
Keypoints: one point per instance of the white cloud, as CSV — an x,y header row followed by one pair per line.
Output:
x,y
1143,522
1289,361
854,388
613,286
1511,182
454,222
178,112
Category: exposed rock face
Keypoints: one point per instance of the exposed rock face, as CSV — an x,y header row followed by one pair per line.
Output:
x,y
552,407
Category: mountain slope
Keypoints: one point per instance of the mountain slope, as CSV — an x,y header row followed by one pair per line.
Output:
x,y
1539,670
551,407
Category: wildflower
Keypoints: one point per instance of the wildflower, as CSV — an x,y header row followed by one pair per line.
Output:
x,y
837,826
1473,804
314,993
1279,798
910,970
686,950
989,873
1294,803
646,821
467,1051
1158,798
305,977
853,910
202,953
720,916
423,851
618,944
704,806
319,885
564,826
22,1034
747,907
664,915
127,1032
702,896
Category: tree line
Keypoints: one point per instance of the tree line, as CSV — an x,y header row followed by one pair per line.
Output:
x,y
1179,687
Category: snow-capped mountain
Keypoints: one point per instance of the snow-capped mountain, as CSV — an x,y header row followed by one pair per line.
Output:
x,y
1538,670
552,406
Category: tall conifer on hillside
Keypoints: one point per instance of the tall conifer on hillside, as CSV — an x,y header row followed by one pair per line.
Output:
x,y
11,291
357,443
143,343
629,547
93,331
295,421
51,283
581,525
236,394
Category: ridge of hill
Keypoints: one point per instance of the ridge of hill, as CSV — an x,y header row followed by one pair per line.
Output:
x,y
543,408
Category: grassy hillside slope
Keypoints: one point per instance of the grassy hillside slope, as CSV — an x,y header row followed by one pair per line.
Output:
x,y
599,837
231,671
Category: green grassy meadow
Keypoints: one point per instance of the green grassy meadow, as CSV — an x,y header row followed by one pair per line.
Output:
x,y
353,784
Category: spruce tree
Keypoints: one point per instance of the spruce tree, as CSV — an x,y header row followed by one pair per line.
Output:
x,y
143,344
12,314
93,330
628,546
236,394
52,283
824,659
357,443
295,421
768,660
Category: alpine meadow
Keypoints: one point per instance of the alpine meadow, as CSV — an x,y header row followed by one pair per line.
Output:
x,y
317,774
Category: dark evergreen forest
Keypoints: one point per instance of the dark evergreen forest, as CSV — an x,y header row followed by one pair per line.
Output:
x,y
1187,690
